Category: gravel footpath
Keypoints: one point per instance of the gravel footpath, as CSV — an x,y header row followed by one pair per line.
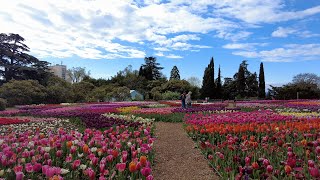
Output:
x,y
176,157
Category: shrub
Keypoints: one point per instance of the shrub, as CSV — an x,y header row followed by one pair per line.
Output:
x,y
3,104
169,95
22,92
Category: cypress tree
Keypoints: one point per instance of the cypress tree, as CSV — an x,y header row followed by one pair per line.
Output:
x,y
208,85
262,84
219,86
175,73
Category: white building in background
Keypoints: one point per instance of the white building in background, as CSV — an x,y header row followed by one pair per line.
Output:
x,y
60,71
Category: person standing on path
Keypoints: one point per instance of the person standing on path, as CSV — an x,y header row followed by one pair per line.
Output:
x,y
188,99
183,100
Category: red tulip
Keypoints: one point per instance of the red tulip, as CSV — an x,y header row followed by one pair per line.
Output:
x,y
311,163
255,165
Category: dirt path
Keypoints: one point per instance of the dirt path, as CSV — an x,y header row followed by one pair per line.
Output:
x,y
176,157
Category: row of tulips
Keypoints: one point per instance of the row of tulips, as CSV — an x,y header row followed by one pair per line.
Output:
x,y
5,121
264,116
131,118
272,147
120,153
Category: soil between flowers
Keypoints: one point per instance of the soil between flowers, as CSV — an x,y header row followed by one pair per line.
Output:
x,y
176,157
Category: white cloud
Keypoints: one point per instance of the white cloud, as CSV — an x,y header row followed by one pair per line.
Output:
x,y
251,11
285,32
243,46
172,56
123,29
287,53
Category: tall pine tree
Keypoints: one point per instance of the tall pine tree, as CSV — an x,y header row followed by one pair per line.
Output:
x,y
208,84
151,69
219,85
175,74
262,84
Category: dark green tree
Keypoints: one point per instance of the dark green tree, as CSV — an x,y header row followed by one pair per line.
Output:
x,y
262,84
219,85
175,74
151,69
208,84
252,85
241,81
15,63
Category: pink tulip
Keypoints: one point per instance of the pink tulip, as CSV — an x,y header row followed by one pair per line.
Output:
x,y
150,177
50,172
269,169
19,175
318,149
59,153
311,163
44,169
76,164
265,162
90,172
247,161
314,172
18,168
29,167
94,161
37,167
109,158
146,171
121,166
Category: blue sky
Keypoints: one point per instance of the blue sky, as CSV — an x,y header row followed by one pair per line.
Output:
x,y
105,36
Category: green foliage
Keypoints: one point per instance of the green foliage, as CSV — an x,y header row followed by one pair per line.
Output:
x,y
175,73
169,95
252,85
81,91
219,85
102,93
121,93
262,84
3,104
174,117
23,92
241,81
58,91
292,90
208,84
151,69
16,64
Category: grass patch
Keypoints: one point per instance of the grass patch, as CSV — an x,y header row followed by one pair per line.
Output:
x,y
174,117
79,123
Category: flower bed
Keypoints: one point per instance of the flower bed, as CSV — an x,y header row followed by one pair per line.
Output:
x,y
118,153
6,121
167,110
258,145
131,118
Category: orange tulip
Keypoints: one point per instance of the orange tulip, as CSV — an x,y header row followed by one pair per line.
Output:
x,y
85,148
132,167
69,144
143,160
